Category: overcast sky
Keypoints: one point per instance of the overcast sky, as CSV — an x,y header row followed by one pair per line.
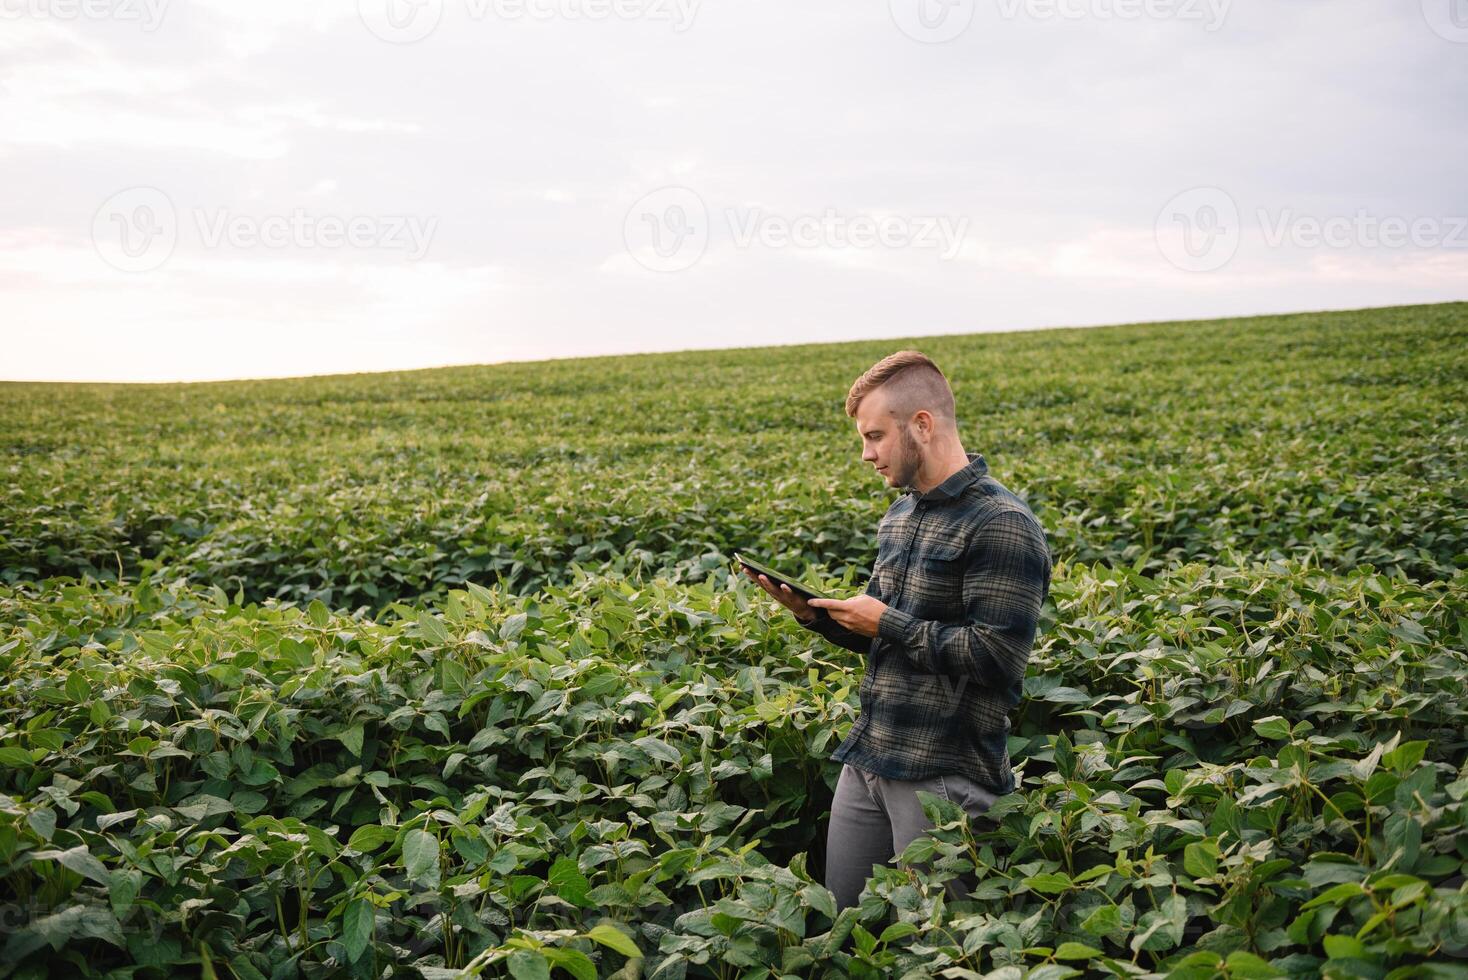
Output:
x,y
201,189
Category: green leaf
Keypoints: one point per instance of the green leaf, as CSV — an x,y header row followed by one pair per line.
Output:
x,y
241,966
432,628
358,925
821,899
1343,892
659,750
202,806
1405,757
1343,947
1076,951
420,856
613,938
318,614
567,881
352,738
80,860
1363,769
1242,964
897,930
1200,859
528,964
1104,920
1049,883
513,626
370,837
1274,728
123,885
14,757
573,961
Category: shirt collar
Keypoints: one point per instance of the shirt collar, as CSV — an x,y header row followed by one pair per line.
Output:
x,y
956,483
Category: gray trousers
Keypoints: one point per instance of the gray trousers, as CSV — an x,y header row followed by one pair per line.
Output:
x,y
873,818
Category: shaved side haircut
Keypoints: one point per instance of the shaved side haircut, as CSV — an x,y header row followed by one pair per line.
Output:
x,y
912,382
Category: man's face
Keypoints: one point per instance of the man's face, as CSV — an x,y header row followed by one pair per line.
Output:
x,y
887,444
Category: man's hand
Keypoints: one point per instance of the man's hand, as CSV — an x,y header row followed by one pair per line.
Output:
x,y
788,598
859,615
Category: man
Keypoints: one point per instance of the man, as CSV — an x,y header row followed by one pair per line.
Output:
x,y
946,624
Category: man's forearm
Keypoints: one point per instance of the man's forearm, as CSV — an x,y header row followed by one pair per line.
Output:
x,y
992,656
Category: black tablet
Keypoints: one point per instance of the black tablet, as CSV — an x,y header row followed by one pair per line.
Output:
x,y
796,586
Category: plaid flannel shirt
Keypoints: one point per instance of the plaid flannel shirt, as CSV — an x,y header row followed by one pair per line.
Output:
x,y
964,570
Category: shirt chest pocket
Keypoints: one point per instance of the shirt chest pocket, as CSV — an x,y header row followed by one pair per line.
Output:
x,y
939,572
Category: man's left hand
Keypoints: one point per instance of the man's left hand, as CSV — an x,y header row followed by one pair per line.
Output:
x,y
859,615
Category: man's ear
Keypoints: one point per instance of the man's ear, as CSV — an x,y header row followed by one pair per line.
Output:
x,y
922,419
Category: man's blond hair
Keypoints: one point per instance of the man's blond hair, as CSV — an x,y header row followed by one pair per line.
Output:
x,y
912,382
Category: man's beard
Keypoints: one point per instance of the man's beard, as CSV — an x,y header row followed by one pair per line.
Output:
x,y
912,458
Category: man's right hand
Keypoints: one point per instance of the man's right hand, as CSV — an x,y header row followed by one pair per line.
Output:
x,y
786,596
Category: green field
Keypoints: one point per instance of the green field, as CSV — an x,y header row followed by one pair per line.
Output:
x,y
402,674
